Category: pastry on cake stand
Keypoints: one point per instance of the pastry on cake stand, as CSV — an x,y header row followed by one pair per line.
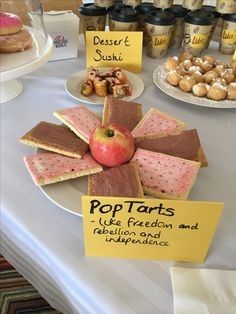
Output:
x,y
16,64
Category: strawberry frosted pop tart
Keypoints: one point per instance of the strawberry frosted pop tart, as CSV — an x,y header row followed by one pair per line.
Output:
x,y
46,168
80,120
157,123
165,176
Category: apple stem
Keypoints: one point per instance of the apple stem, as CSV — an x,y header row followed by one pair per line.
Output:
x,y
110,133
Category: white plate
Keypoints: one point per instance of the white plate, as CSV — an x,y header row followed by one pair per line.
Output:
x,y
67,194
74,82
159,79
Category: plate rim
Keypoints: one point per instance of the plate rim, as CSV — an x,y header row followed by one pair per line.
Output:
x,y
194,100
72,211
84,100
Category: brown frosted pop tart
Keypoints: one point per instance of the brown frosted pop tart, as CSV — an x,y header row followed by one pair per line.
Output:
x,y
122,180
185,144
121,112
55,138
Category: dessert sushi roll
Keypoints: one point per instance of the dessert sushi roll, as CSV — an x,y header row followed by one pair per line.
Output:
x,y
100,86
91,73
87,88
120,75
122,90
111,82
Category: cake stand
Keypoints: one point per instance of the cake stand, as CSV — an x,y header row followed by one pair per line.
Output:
x,y
14,65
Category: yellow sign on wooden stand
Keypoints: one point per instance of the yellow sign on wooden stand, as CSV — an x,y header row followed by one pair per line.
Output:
x,y
111,49
149,228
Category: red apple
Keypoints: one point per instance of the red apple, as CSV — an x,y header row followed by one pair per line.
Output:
x,y
111,145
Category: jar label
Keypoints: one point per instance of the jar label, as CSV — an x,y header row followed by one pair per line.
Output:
x,y
196,40
228,36
160,41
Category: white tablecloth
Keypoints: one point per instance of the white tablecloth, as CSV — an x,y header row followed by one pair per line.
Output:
x,y
45,243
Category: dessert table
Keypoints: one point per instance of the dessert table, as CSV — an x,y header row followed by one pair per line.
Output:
x,y
45,242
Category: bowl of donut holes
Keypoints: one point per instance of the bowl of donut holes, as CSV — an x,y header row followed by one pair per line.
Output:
x,y
205,80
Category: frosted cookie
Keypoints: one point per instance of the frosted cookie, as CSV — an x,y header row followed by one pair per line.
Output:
x,y
55,138
80,120
47,168
184,145
117,181
157,123
121,112
165,176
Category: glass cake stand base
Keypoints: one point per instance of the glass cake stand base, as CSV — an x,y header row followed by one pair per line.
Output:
x,y
10,89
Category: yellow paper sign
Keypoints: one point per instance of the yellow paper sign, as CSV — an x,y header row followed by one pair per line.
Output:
x,y
149,228
111,49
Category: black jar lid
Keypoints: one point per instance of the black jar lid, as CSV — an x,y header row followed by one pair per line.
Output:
x,y
211,9
91,9
199,17
178,10
146,7
124,14
160,18
229,17
117,6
